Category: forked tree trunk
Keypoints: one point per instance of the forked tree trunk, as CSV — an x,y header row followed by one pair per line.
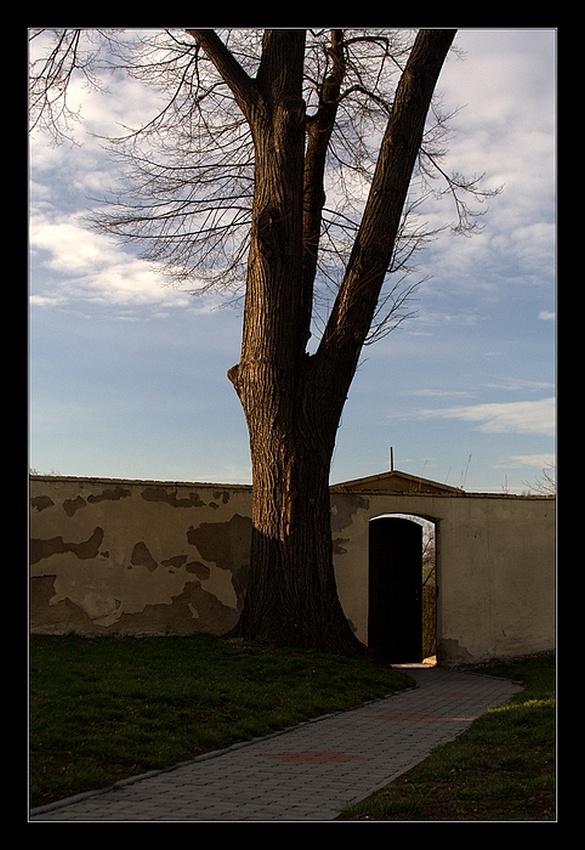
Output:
x,y
293,402
291,595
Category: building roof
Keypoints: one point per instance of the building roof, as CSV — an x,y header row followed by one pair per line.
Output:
x,y
398,482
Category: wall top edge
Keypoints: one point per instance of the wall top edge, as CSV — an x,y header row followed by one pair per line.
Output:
x,y
336,488
462,495
138,481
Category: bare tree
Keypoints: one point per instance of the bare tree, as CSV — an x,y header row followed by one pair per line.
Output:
x,y
291,164
544,484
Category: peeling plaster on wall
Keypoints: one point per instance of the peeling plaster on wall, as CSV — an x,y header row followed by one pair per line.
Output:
x,y
40,549
112,495
200,570
41,502
57,617
221,585
106,595
192,611
196,568
342,515
102,610
62,614
343,511
176,561
455,653
224,495
70,506
227,544
158,493
141,557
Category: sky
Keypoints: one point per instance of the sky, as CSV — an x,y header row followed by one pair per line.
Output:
x,y
127,375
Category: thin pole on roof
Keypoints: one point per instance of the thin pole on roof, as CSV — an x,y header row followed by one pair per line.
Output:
x,y
464,475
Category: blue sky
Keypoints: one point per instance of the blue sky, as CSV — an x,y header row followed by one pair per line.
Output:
x,y
127,375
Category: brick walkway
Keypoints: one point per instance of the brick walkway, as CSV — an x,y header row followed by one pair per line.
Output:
x,y
308,773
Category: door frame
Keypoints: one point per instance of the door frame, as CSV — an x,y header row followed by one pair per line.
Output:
x,y
380,637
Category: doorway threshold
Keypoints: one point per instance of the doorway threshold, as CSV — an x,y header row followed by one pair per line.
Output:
x,y
426,662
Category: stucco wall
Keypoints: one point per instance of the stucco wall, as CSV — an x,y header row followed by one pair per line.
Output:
x,y
137,557
133,557
496,569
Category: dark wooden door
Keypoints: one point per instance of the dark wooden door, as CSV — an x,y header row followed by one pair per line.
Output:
x,y
395,590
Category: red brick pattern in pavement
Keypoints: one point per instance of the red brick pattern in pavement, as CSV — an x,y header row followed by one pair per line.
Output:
x,y
312,757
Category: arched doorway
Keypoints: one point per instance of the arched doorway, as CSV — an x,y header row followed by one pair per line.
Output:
x,y
398,567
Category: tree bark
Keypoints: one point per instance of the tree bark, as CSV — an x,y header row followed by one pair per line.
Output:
x,y
292,595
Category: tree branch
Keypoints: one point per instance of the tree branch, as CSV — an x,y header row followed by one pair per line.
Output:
x,y
355,305
241,84
319,132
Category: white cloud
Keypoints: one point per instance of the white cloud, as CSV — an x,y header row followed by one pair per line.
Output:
x,y
516,384
540,461
69,249
432,393
523,417
89,267
505,131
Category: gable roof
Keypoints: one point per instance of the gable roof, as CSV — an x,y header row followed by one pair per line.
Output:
x,y
397,482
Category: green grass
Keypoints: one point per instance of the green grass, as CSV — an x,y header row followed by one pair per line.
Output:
x,y
107,708
502,768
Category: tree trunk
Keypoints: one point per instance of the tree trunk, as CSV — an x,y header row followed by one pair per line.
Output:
x,y
292,595
292,401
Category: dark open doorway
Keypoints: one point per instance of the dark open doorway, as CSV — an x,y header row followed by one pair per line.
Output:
x,y
399,572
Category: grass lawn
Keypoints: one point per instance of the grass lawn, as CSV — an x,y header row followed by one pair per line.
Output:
x,y
108,708
502,768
